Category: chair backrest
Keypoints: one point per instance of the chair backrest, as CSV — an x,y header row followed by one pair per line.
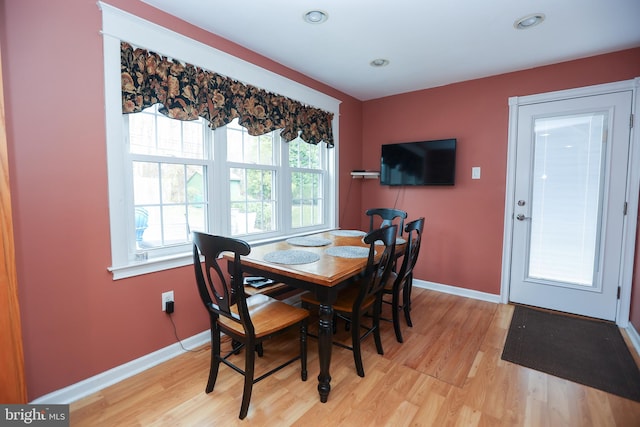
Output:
x,y
379,217
414,239
378,269
216,293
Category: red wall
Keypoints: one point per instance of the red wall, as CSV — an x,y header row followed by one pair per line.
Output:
x,y
464,224
77,322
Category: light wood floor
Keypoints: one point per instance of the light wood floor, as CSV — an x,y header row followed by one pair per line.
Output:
x,y
448,372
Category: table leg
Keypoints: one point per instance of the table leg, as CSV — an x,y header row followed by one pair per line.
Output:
x,y
325,342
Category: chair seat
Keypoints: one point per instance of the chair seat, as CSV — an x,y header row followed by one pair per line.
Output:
x,y
345,300
267,314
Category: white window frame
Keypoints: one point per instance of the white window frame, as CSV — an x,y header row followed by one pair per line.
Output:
x,y
118,25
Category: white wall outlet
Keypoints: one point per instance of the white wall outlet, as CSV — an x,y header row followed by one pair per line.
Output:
x,y
166,297
475,172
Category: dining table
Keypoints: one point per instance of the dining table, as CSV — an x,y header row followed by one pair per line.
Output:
x,y
322,263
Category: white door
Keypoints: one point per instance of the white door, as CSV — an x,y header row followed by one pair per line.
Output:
x,y
569,202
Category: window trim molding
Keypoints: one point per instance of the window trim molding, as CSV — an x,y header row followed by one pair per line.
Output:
x,y
118,25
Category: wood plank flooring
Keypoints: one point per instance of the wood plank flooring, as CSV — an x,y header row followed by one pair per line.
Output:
x,y
448,372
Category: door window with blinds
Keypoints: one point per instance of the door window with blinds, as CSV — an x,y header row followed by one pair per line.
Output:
x,y
567,192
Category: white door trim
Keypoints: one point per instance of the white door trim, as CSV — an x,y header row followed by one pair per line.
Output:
x,y
632,196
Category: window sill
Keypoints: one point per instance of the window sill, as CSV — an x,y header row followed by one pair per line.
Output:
x,y
151,266
137,268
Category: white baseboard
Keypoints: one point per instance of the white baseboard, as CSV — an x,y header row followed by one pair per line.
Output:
x,y
105,379
633,335
447,289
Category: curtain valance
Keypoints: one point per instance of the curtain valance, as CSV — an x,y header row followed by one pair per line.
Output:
x,y
187,92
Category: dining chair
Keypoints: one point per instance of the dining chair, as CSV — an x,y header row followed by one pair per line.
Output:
x,y
402,281
379,217
247,320
364,294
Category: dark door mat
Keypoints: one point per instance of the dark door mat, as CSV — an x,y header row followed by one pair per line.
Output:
x,y
589,352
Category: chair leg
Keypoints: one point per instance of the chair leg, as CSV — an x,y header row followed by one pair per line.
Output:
x,y
303,350
355,344
248,380
376,324
215,358
395,308
406,294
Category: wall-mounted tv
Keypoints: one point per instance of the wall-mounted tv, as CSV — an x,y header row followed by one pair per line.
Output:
x,y
419,163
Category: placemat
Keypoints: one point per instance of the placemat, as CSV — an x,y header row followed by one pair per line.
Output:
x,y
291,257
308,241
348,233
348,251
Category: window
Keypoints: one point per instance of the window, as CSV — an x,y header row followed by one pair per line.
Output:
x,y
253,173
168,162
175,168
168,177
307,189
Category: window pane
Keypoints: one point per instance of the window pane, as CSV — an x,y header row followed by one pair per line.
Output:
x,y
155,134
252,204
142,133
197,217
169,136
306,204
251,149
174,224
245,148
235,149
195,184
141,224
304,155
146,183
265,149
193,139
150,234
173,183
161,215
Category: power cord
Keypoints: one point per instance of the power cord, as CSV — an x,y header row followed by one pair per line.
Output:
x,y
397,197
224,342
175,332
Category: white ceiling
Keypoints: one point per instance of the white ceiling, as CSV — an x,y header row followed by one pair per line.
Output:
x,y
429,43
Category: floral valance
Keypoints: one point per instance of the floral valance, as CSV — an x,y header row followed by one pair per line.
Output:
x,y
187,92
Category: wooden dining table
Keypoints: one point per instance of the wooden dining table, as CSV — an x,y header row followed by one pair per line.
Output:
x,y
325,276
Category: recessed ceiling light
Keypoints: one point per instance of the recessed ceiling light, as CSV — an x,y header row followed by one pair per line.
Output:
x,y
315,17
529,21
380,62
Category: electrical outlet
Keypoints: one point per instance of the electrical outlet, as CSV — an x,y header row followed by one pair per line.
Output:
x,y
166,297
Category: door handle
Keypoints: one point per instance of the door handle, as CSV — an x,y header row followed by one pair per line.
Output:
x,y
521,217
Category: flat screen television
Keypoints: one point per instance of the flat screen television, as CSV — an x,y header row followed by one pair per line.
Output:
x,y
419,163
